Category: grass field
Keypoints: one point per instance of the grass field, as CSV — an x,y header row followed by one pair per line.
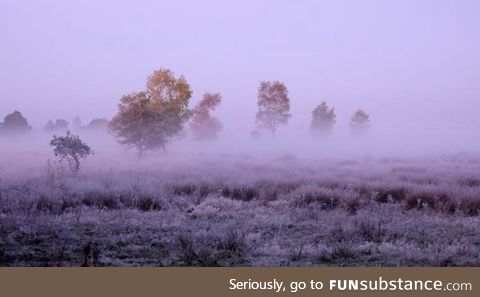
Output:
x,y
242,211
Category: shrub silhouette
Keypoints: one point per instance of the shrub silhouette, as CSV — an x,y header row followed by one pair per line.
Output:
x,y
72,149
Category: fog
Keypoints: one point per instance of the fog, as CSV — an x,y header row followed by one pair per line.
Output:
x,y
412,65
402,190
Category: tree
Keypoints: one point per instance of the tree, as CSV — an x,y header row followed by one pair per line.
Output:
x,y
77,123
98,124
147,120
60,125
359,120
273,105
204,126
323,119
15,123
49,126
72,149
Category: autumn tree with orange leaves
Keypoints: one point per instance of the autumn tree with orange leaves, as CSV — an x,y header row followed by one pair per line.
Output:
x,y
203,125
273,105
147,120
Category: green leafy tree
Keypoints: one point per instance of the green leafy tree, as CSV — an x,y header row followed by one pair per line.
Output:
x,y
323,119
147,120
360,120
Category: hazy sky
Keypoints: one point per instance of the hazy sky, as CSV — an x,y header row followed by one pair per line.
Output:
x,y
65,58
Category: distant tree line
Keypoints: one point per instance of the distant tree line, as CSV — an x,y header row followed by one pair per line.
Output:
x,y
14,123
61,125
149,119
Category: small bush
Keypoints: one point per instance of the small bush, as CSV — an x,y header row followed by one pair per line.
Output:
x,y
442,202
469,182
470,207
353,205
243,193
343,252
209,250
47,205
100,200
148,203
204,190
326,202
340,254
364,191
446,204
69,204
226,192
421,200
184,190
391,195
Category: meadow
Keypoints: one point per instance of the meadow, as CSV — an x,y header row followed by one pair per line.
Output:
x,y
240,210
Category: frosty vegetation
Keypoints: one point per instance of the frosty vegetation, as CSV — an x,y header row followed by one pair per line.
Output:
x,y
245,211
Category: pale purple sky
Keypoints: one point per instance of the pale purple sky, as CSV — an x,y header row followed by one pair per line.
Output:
x,y
66,58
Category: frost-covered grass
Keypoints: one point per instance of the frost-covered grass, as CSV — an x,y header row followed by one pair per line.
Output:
x,y
241,211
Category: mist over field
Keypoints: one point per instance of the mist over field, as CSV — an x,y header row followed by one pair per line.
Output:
x,y
249,133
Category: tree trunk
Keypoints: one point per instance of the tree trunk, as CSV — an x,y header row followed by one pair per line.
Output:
x,y
76,167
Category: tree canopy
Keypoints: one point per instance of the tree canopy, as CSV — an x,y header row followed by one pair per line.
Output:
x,y
203,125
323,118
147,120
273,105
98,124
360,120
15,123
71,148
